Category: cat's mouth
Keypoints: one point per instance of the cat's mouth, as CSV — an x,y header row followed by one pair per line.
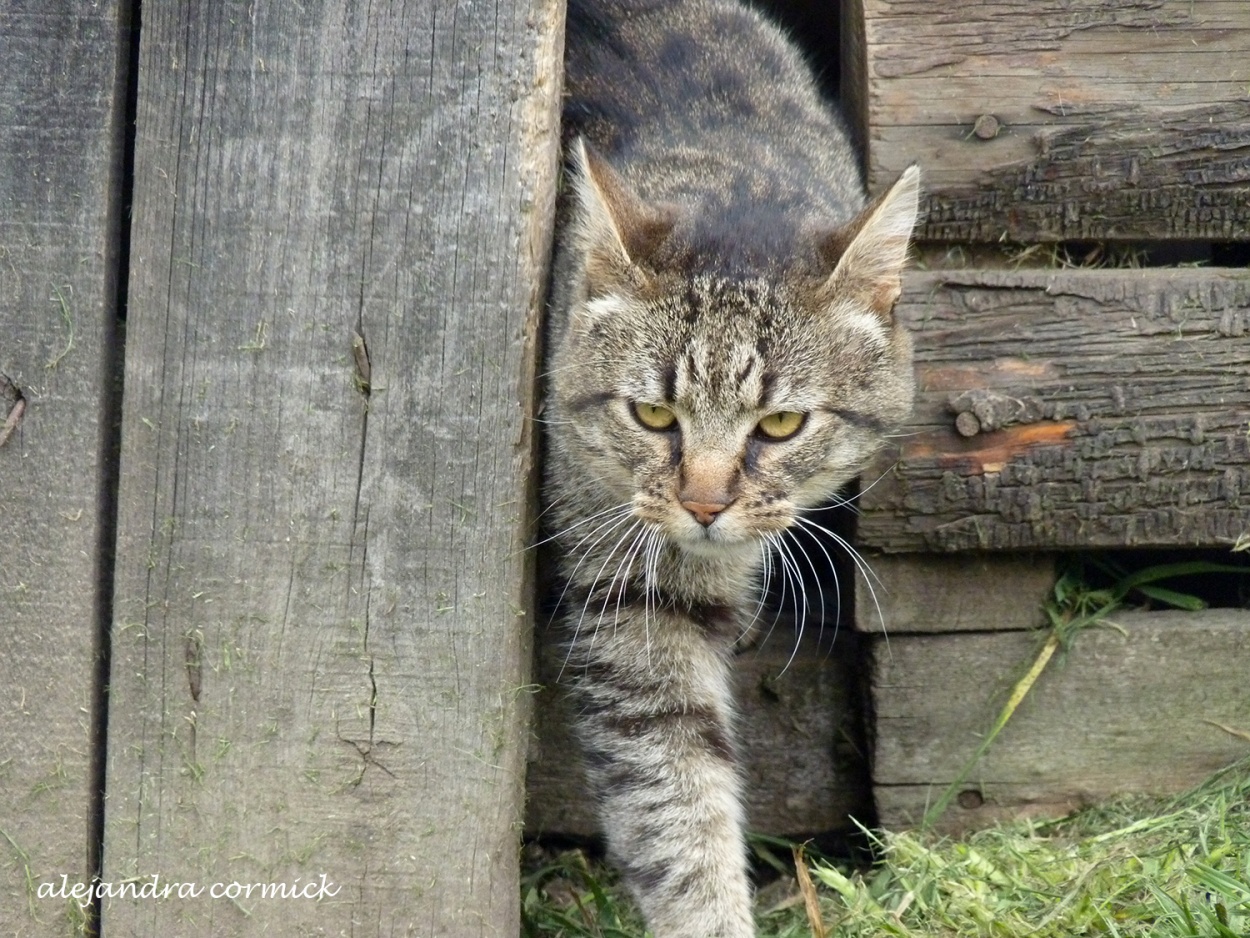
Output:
x,y
726,532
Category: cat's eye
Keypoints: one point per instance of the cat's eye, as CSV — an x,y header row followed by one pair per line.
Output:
x,y
654,417
781,425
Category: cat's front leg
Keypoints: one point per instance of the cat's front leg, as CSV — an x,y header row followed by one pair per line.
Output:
x,y
653,689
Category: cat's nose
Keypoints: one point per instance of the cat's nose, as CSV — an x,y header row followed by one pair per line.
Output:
x,y
705,512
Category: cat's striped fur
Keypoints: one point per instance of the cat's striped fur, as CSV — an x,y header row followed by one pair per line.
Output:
x,y
716,270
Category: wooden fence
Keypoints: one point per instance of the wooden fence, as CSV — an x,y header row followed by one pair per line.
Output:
x,y
266,473
302,513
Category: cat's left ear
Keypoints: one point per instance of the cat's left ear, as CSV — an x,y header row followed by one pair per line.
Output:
x,y
871,251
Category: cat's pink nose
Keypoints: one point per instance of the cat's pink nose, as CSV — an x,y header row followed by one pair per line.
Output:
x,y
705,512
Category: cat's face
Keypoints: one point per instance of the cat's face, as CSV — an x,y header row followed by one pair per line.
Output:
x,y
720,407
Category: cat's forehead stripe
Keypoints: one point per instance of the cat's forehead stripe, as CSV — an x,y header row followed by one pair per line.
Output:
x,y
669,382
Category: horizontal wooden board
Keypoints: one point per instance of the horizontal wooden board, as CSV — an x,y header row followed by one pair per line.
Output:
x,y
1110,120
1105,408
1153,705
952,592
801,742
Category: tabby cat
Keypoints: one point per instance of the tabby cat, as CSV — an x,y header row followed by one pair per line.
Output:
x,y
723,357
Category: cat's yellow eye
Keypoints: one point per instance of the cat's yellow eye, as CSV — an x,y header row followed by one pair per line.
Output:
x,y
781,425
654,417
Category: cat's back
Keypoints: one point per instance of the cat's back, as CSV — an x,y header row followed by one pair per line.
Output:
x,y
689,98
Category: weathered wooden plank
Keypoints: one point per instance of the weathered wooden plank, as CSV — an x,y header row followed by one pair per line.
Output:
x,y
952,592
62,106
320,654
800,730
1054,120
1153,708
1104,407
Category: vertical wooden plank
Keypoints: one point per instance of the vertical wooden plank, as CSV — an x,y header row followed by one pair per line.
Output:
x,y
61,110
321,645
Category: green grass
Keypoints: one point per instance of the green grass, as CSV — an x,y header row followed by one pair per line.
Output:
x,y
1164,868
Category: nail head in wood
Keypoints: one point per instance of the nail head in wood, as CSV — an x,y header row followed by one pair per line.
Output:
x,y
967,424
986,127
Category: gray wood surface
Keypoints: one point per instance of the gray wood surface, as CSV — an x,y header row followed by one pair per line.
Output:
x,y
61,134
965,592
1043,121
1109,408
1153,708
321,646
800,739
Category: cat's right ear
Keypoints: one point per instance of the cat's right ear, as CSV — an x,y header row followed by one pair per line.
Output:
x,y
618,231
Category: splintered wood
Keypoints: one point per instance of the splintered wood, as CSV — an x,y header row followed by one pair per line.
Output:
x,y
1112,410
1046,120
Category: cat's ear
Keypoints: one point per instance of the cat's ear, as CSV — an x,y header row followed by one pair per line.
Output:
x,y
871,251
619,231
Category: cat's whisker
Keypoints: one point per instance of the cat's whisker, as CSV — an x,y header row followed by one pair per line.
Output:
x,y
605,528
577,628
849,502
624,508
791,567
651,575
633,534
770,539
799,547
837,585
868,574
784,583
765,573
552,423
625,571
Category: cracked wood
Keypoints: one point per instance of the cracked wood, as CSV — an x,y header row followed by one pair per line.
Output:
x,y
1133,424
1051,120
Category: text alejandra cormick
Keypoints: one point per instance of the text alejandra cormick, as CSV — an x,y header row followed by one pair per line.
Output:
x,y
153,888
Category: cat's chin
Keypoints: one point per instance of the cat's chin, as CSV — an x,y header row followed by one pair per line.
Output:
x,y
719,548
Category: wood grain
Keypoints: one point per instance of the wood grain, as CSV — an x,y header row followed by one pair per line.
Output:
x,y
800,731
1153,705
62,106
1114,120
966,592
1114,404
321,652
